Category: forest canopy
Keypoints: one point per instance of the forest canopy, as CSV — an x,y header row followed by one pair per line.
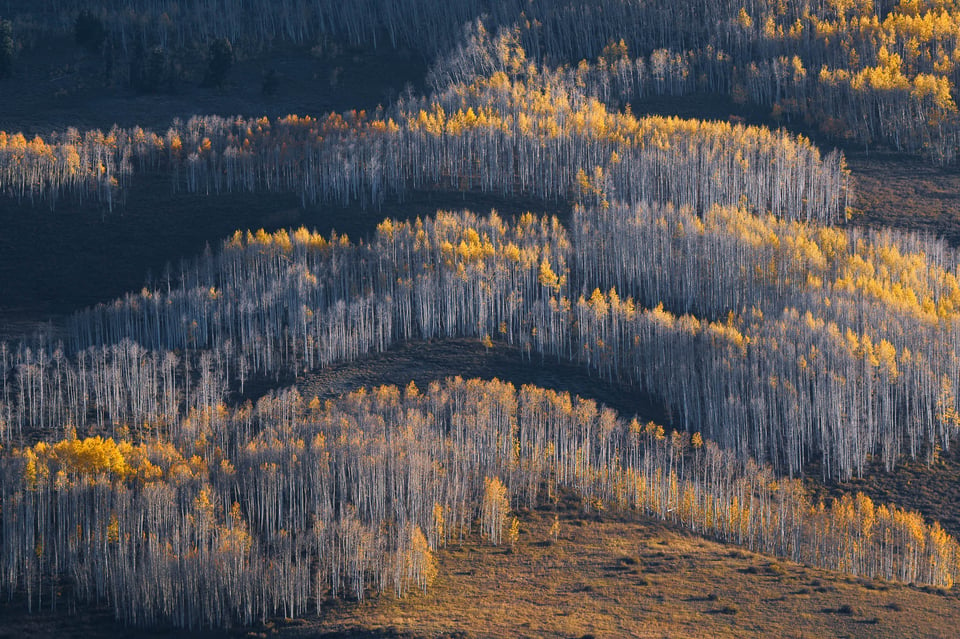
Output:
x,y
706,264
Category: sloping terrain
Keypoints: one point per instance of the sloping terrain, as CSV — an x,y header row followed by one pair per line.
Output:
x,y
569,573
424,362
601,577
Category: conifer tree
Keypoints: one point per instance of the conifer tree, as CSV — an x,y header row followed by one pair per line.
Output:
x,y
7,49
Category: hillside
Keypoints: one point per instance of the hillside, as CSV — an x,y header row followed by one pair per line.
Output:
x,y
398,320
602,577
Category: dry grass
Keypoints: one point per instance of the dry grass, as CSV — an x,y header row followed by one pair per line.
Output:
x,y
931,489
613,577
890,189
425,361
53,263
618,578
906,193
58,84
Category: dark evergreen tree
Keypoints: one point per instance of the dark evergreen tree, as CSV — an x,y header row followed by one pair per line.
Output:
x,y
220,61
89,32
7,49
271,81
157,75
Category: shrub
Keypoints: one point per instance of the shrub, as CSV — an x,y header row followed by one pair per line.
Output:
x,y
219,62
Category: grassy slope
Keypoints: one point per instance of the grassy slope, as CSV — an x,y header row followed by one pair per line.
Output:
x,y
58,84
423,362
620,578
605,578
931,489
53,263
